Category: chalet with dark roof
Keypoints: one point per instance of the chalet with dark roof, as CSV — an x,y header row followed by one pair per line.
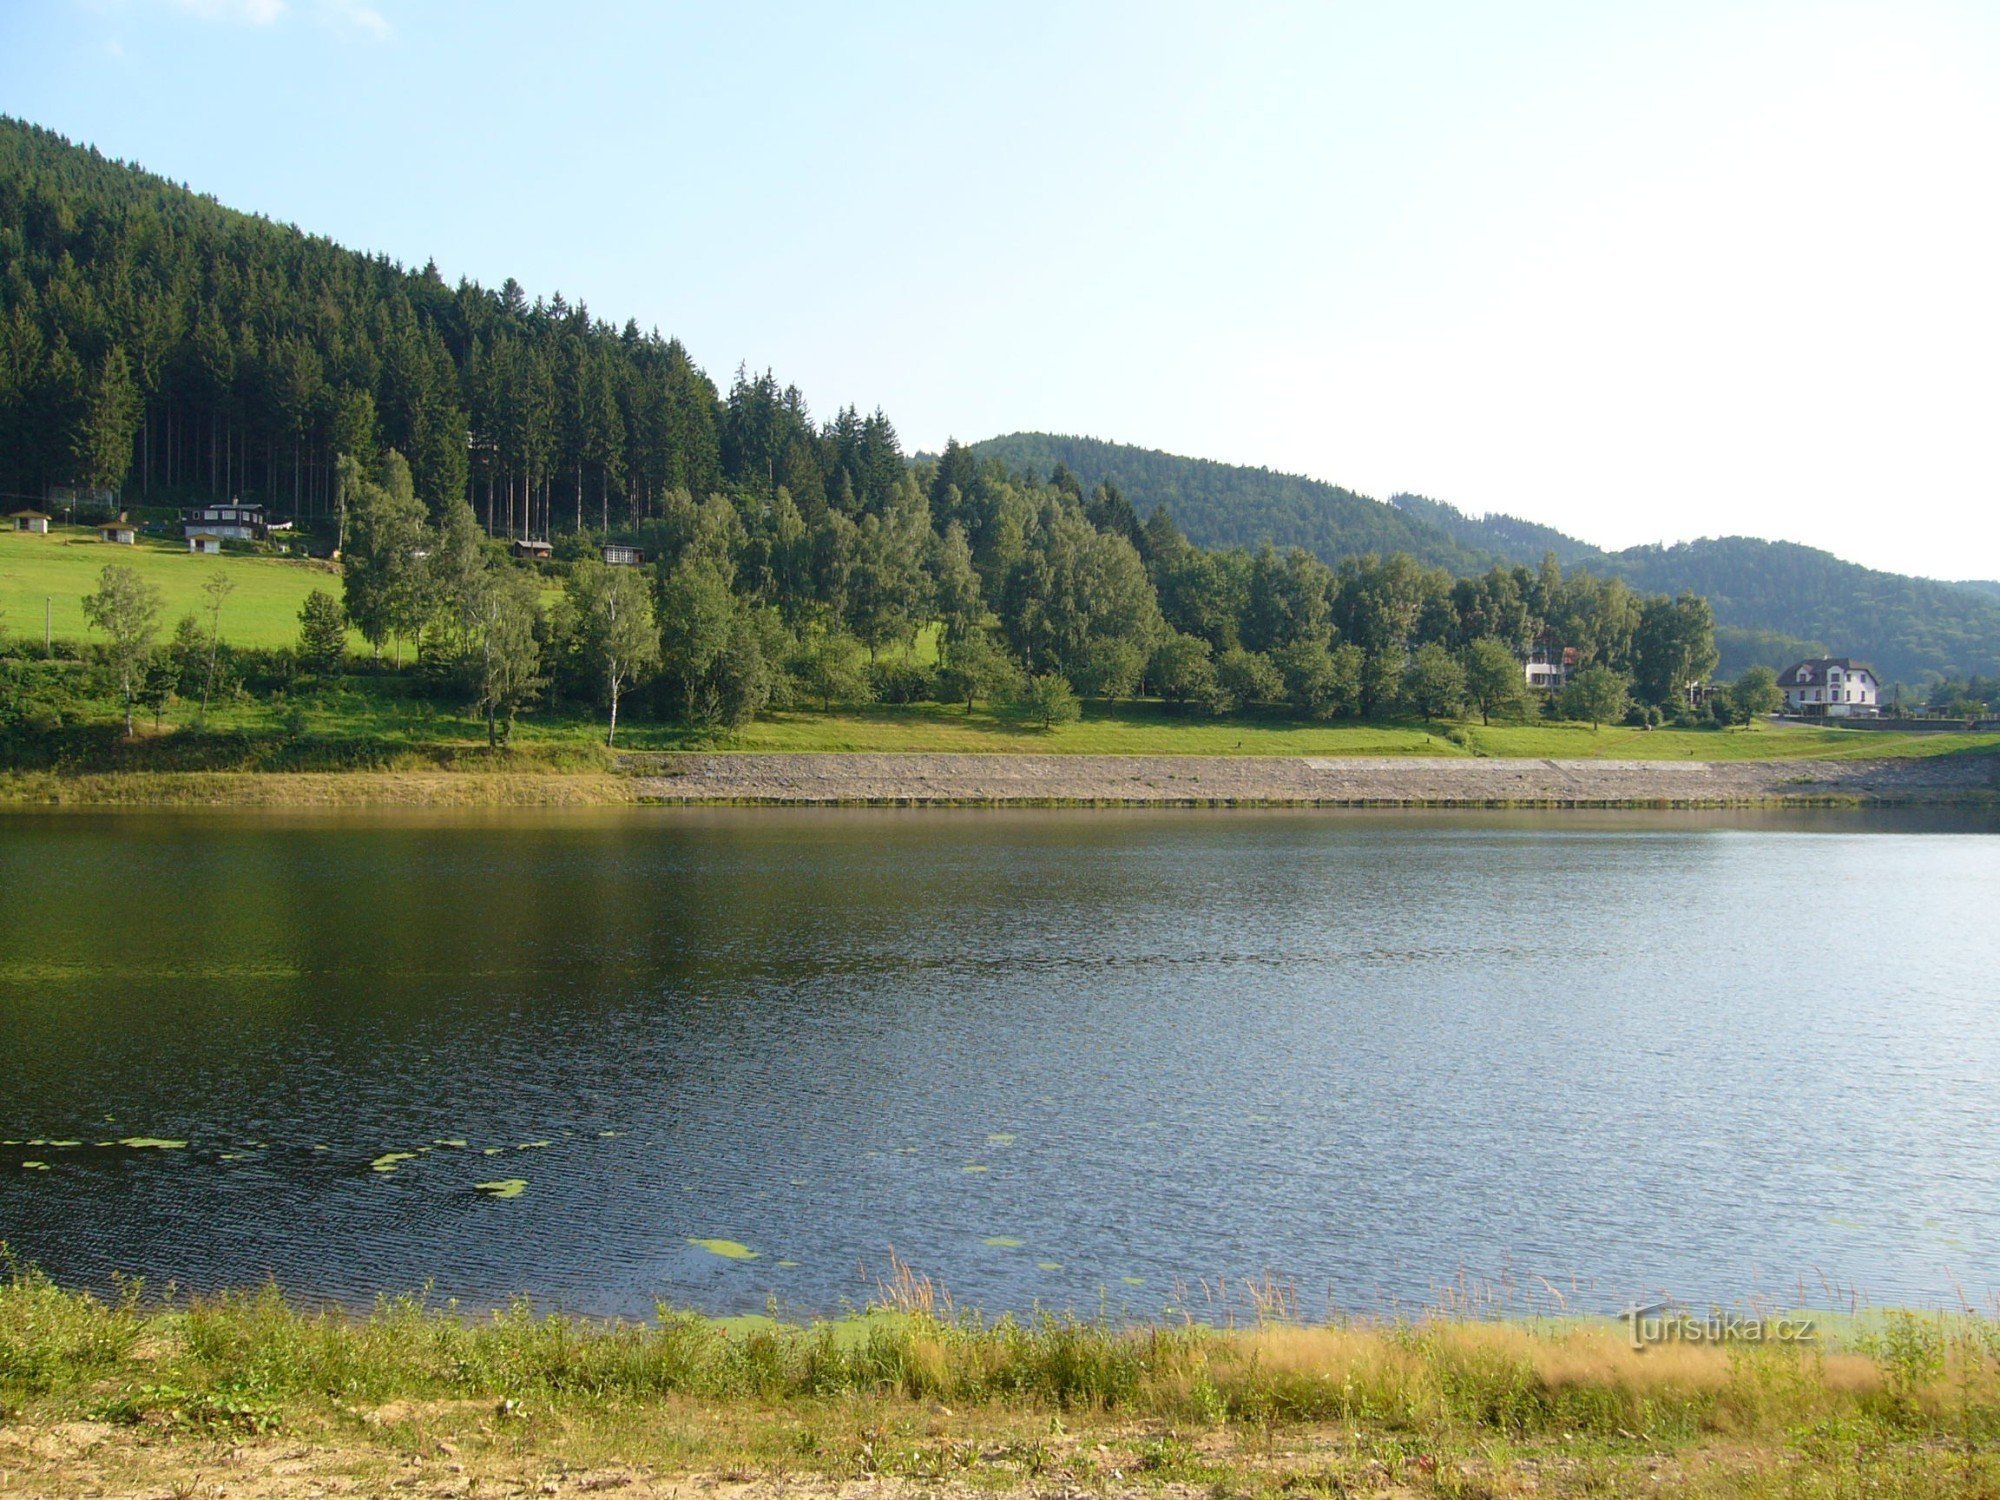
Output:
x,y
1831,687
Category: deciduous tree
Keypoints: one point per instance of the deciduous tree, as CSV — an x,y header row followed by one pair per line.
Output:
x,y
615,629
127,609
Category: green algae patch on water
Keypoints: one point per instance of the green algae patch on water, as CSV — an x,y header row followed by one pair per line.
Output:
x,y
151,1143
506,1187
390,1160
972,1167
1001,1138
1048,1265
1001,1242
727,1249
1133,1280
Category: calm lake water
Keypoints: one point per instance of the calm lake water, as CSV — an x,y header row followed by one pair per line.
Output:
x,y
1069,1059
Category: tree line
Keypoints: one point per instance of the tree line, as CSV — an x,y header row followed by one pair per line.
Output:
x,y
1033,591
1775,602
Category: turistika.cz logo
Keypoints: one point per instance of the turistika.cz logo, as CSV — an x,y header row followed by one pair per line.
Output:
x,y
1669,1323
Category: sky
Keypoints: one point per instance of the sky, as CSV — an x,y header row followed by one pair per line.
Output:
x,y
1645,272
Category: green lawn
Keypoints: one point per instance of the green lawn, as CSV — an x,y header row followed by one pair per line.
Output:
x,y
369,708
62,567
1151,729
385,713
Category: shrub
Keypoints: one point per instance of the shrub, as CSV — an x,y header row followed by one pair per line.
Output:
x,y
903,682
1050,701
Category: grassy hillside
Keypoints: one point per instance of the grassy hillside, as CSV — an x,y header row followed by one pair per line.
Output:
x,y
1775,601
64,565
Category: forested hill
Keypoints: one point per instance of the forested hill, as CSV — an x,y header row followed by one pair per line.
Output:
x,y
1223,505
1774,601
156,343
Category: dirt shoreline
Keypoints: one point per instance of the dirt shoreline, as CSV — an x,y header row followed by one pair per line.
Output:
x,y
839,779
917,780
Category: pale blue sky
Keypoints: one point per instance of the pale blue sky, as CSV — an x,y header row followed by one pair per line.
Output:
x,y
1644,272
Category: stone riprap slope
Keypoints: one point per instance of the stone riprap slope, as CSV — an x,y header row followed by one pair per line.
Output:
x,y
1167,780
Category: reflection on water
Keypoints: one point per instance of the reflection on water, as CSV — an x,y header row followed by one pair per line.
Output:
x,y
1062,1058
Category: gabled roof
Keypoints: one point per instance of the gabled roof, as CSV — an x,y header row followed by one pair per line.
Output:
x,y
1813,671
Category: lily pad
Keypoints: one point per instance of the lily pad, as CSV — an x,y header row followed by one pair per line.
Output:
x,y
533,1145
454,1144
788,1264
1001,1242
506,1187
972,1167
608,1135
1001,1138
727,1249
152,1143
494,1151
390,1160
1133,1280
34,1166
1048,1265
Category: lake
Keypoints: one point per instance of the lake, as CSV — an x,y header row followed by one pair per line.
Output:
x,y
1089,1060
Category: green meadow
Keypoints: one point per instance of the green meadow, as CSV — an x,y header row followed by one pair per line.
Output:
x,y
55,571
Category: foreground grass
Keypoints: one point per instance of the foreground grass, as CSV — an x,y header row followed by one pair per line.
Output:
x,y
60,568
280,1399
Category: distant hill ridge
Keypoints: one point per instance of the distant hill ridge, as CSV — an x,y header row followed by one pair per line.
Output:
x,y
1774,601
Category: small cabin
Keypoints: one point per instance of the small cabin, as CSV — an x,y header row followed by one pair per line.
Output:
x,y
621,557
533,551
29,520
205,544
121,531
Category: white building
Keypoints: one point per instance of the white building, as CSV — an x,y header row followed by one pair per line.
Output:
x,y
231,519
1831,687
204,545
1548,667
